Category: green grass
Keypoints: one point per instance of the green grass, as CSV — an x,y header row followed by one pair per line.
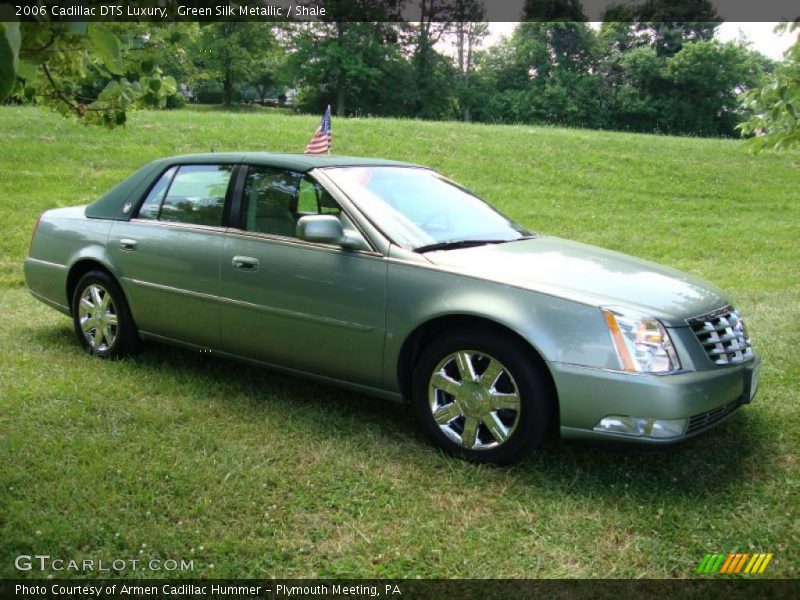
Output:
x,y
180,455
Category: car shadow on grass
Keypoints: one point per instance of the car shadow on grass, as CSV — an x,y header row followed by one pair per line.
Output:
x,y
737,451
720,459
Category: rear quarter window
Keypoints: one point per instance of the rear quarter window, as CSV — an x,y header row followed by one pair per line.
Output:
x,y
152,203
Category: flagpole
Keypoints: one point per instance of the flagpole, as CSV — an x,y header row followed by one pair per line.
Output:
x,y
329,142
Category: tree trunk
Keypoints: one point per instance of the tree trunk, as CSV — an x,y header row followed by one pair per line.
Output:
x,y
227,87
340,101
227,79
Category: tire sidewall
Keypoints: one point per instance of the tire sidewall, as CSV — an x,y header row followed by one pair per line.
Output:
x,y
536,396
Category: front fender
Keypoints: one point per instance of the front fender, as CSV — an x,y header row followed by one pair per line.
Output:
x,y
559,330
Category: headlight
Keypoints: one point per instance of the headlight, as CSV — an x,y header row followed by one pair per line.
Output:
x,y
642,343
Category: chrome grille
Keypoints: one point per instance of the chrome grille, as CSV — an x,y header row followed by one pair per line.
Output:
x,y
723,336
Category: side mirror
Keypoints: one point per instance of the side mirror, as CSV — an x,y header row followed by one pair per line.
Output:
x,y
327,229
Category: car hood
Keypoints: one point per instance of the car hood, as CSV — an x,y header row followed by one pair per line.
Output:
x,y
587,274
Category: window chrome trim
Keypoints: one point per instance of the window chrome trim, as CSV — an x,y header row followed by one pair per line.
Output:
x,y
292,241
178,225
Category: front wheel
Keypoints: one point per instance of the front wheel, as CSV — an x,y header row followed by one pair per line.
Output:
x,y
483,396
103,322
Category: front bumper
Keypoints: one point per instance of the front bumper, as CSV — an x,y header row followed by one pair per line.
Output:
x,y
705,398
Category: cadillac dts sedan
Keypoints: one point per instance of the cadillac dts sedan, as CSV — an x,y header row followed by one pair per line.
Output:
x,y
389,279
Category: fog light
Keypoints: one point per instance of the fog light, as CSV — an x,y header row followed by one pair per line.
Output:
x,y
642,426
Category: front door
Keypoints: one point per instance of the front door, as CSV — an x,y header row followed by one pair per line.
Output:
x,y
312,307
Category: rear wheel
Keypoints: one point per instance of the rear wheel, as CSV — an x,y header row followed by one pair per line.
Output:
x,y
482,396
103,323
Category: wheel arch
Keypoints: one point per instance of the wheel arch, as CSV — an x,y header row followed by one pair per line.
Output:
x,y
78,269
416,341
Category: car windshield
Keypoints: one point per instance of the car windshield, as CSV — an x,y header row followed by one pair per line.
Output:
x,y
421,210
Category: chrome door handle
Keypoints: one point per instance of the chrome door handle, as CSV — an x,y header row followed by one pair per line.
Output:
x,y
128,244
245,263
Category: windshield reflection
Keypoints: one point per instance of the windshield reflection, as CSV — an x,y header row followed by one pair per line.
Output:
x,y
418,207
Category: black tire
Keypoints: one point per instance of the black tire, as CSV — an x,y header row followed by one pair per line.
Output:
x,y
523,371
114,340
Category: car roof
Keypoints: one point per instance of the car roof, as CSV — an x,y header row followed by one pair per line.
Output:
x,y
295,162
117,202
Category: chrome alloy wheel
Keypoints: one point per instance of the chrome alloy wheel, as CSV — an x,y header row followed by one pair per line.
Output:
x,y
474,400
97,316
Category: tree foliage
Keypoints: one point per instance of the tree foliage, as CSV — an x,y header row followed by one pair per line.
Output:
x,y
570,74
651,23
342,63
232,53
89,72
636,72
775,107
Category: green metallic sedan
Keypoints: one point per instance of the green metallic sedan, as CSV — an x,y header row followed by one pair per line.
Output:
x,y
392,280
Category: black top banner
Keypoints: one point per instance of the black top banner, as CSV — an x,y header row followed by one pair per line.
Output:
x,y
403,10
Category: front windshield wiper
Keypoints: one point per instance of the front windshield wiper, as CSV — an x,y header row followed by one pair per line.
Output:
x,y
454,244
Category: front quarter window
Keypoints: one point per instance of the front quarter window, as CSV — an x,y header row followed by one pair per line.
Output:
x,y
418,208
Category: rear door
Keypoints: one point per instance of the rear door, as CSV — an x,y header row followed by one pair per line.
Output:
x,y
312,307
168,255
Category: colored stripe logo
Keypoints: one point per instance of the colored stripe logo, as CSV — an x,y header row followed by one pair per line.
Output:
x,y
733,563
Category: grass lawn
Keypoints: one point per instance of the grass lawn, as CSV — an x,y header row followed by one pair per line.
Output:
x,y
254,474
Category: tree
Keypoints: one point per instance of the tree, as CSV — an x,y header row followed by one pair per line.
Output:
x,y
706,79
347,55
338,62
229,52
83,70
269,73
553,10
633,86
469,30
775,106
173,47
666,25
434,20
545,73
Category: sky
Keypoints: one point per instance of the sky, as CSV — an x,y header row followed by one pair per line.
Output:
x,y
761,35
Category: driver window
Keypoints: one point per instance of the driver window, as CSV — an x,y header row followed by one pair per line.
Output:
x,y
273,200
269,200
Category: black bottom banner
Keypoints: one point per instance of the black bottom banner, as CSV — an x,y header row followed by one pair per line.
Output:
x,y
219,589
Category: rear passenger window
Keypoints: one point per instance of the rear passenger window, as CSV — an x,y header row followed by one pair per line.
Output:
x,y
195,196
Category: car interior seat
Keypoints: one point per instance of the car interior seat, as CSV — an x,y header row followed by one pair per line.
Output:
x,y
269,211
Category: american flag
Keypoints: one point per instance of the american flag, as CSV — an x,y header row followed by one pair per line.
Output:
x,y
321,142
